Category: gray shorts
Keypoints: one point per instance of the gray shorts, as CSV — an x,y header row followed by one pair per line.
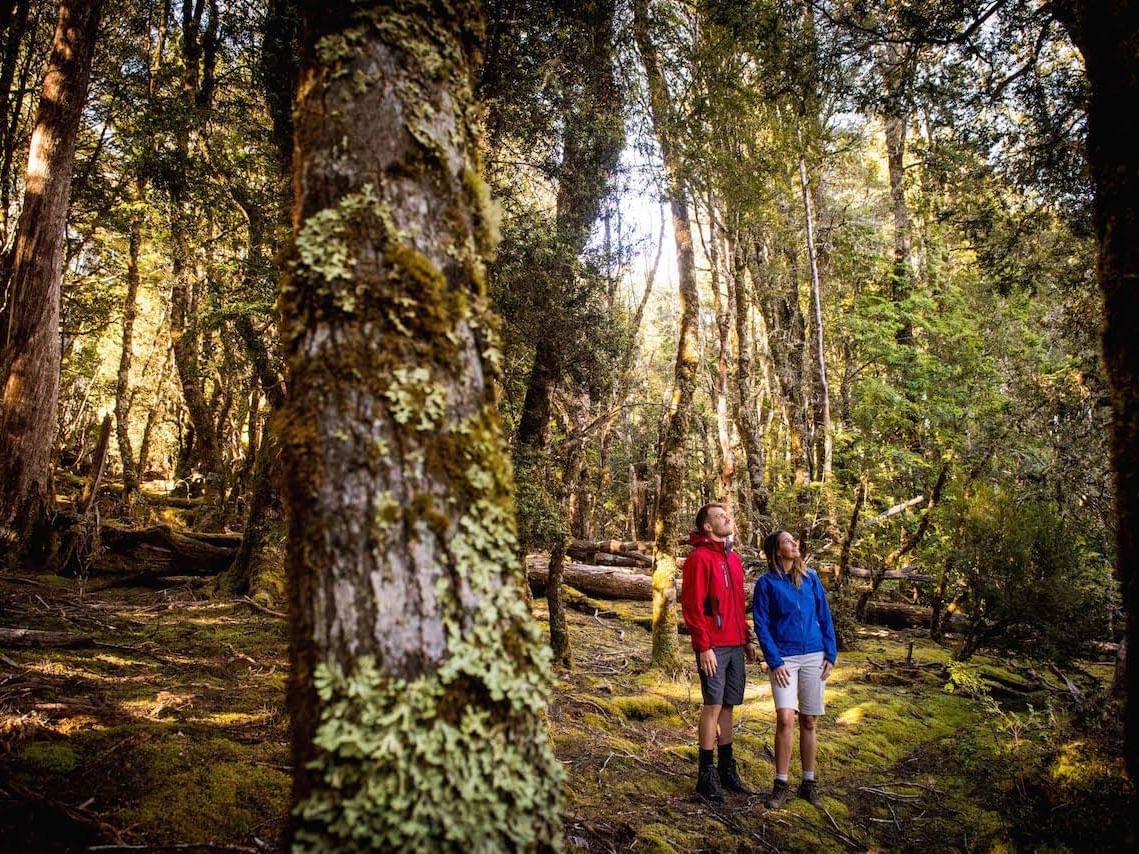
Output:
x,y
726,686
806,692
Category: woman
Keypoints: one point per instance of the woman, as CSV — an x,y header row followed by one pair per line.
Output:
x,y
793,624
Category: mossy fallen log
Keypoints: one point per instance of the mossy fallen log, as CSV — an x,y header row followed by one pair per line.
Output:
x,y
606,582
161,551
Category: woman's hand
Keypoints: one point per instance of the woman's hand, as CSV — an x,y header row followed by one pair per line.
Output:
x,y
708,663
827,667
782,676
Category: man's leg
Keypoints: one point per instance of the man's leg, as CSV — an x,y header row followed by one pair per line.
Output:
x,y
725,725
709,718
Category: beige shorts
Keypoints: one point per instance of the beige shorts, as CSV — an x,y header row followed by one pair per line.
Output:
x,y
804,693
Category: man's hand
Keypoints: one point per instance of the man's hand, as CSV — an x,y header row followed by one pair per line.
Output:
x,y
708,663
782,676
750,653
827,667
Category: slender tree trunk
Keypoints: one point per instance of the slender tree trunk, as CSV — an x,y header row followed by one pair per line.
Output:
x,y
559,634
592,139
1106,34
419,679
786,337
759,515
673,463
30,353
198,54
156,407
817,309
15,104
122,383
896,70
723,309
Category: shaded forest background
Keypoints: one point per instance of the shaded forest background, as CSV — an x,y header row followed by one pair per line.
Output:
x,y
834,264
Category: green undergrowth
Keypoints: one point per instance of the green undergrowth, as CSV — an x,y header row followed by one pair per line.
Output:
x,y
958,769
173,732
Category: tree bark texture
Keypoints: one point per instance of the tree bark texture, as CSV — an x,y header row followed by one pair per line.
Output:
x,y
419,677
1106,34
673,464
30,356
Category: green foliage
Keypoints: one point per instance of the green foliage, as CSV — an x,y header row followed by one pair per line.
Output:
x,y
541,515
1030,582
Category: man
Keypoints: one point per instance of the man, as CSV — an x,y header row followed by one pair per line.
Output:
x,y
712,600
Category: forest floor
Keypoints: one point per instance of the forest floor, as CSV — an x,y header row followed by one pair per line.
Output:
x,y
168,729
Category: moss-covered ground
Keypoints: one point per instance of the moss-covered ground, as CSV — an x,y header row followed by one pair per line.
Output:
x,y
172,730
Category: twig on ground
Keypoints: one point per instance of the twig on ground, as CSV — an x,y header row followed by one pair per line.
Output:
x,y
257,606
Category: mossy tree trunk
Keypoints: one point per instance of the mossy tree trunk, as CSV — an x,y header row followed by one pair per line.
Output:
x,y
1106,33
673,463
29,343
419,678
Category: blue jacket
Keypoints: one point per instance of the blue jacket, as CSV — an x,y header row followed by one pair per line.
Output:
x,y
792,620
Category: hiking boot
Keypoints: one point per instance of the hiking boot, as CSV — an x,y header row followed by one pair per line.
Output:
x,y
780,793
730,778
708,785
809,792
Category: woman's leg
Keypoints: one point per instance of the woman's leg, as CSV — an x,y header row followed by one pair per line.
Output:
x,y
808,742
784,726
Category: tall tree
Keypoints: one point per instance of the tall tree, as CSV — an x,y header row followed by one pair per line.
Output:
x,y
673,463
1106,34
419,678
30,356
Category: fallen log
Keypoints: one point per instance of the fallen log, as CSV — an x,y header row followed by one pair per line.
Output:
x,y
161,551
900,615
633,560
611,546
906,573
606,582
36,638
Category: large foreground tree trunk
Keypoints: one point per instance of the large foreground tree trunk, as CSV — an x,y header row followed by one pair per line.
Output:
x,y
419,678
673,464
30,354
1106,33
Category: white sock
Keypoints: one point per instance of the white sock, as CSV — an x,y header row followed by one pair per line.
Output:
x,y
808,775
782,777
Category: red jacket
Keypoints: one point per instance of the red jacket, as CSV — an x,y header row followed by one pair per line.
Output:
x,y
712,595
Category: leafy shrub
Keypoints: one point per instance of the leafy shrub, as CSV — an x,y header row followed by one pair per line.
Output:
x,y
1030,583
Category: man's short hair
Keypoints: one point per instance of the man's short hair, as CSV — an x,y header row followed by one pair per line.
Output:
x,y
702,514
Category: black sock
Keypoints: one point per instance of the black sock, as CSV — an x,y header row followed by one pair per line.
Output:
x,y
725,755
705,759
